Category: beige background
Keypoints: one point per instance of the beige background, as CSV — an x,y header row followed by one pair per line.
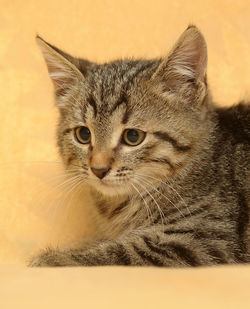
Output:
x,y
33,211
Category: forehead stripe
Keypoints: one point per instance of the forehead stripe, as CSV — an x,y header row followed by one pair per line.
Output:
x,y
122,100
92,103
126,116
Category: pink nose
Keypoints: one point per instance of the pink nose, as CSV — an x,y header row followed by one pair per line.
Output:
x,y
100,172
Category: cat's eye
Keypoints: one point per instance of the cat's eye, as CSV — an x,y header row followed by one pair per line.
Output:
x,y
83,135
133,137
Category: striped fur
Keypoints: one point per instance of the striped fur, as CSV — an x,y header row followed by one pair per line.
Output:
x,y
181,197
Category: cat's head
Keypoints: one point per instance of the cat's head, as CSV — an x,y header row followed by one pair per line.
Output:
x,y
129,124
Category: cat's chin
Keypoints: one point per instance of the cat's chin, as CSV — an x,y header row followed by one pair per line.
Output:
x,y
110,189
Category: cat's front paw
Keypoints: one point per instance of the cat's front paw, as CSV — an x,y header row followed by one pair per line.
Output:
x,y
51,258
43,259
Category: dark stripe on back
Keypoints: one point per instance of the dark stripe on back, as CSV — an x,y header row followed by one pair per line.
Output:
x,y
167,138
92,102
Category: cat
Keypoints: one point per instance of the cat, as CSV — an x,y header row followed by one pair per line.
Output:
x,y
168,170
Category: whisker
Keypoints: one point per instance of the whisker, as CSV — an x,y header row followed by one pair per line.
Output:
x,y
168,185
73,186
180,198
149,213
49,182
158,206
153,188
37,162
61,201
30,162
54,189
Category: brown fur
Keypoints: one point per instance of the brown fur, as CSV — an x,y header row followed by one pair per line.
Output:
x,y
181,197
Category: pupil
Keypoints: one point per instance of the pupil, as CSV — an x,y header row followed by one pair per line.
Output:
x,y
132,136
85,133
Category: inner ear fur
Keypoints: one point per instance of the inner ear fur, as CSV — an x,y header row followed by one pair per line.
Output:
x,y
62,67
184,69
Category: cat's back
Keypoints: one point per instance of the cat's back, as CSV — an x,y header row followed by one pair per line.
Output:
x,y
234,121
233,140
234,144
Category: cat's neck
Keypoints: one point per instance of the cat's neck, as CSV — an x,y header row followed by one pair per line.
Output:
x,y
107,203
205,162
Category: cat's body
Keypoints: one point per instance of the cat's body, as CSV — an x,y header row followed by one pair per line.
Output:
x,y
178,197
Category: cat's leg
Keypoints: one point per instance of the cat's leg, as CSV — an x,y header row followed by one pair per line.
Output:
x,y
162,248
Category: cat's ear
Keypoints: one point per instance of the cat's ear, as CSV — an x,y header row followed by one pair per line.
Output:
x,y
63,68
184,70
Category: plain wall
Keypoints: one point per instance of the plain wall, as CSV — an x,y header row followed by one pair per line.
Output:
x,y
33,212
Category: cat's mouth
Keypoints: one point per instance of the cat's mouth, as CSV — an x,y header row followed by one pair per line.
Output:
x,y
110,187
109,183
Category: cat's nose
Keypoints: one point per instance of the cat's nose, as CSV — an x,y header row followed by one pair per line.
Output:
x,y
100,172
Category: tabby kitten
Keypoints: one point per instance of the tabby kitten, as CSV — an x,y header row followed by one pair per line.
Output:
x,y
169,170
